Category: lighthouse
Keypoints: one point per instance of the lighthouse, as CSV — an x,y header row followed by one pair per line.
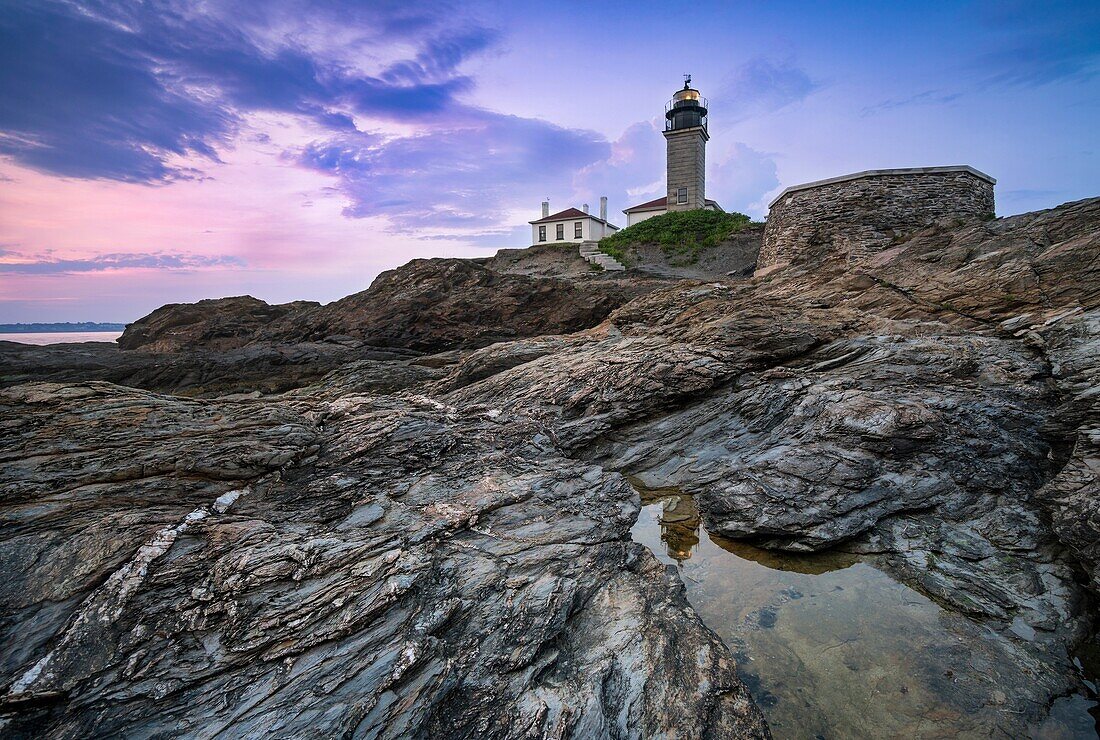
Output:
x,y
686,141
686,138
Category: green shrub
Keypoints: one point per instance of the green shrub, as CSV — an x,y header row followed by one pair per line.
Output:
x,y
679,233
615,251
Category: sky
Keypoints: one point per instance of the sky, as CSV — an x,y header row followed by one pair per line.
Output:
x,y
172,150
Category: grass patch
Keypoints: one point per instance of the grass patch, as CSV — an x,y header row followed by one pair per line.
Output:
x,y
682,234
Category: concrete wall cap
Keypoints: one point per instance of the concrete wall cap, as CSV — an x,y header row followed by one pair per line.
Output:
x,y
873,173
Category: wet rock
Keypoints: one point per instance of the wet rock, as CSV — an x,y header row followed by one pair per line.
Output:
x,y
886,411
263,368
367,566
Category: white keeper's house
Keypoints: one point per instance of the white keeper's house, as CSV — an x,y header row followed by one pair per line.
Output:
x,y
571,225
642,211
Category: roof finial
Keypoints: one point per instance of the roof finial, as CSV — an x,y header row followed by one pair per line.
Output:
x,y
687,82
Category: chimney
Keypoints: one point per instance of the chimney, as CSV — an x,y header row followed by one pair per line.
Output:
x,y
545,208
585,208
603,207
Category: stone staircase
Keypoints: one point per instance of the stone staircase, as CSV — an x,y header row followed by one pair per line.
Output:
x,y
592,254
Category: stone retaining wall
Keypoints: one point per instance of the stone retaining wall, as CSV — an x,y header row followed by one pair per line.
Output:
x,y
860,214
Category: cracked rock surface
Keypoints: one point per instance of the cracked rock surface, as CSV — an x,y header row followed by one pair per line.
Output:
x,y
436,543
936,409
369,566
239,345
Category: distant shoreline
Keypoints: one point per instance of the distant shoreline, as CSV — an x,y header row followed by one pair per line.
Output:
x,y
59,328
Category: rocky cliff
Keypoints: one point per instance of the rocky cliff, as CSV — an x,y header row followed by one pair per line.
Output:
x,y
242,345
216,324
427,305
437,544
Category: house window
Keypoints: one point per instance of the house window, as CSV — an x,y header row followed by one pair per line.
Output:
x,y
542,233
560,231
682,195
577,230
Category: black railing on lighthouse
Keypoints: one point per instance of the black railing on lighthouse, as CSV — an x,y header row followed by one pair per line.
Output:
x,y
685,111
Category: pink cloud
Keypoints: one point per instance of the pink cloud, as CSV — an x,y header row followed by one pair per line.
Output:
x,y
256,223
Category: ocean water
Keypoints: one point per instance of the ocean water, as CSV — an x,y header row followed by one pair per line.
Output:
x,y
61,337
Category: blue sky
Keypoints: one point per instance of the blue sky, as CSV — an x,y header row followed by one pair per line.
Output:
x,y
175,150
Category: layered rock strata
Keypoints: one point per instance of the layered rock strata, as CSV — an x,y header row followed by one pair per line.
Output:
x,y
438,544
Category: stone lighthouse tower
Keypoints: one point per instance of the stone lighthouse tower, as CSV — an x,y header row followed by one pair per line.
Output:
x,y
686,134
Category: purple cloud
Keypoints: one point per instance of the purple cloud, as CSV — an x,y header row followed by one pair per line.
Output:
x,y
740,177
762,85
928,97
466,172
1060,42
102,262
737,175
105,90
634,172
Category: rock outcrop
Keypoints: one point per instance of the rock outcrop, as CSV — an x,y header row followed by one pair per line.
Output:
x,y
243,345
734,256
1072,497
259,367
426,305
437,544
367,566
440,304
541,260
915,408
216,324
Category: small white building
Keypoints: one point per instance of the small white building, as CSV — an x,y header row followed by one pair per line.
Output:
x,y
642,211
571,225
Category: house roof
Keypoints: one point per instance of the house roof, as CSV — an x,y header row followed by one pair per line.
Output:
x,y
571,213
661,204
653,205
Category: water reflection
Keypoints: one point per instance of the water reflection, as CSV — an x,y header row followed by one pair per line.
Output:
x,y
832,646
681,522
679,519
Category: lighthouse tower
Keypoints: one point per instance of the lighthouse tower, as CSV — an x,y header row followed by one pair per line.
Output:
x,y
686,135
